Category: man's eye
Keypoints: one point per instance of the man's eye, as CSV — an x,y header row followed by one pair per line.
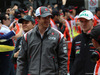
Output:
x,y
81,21
84,21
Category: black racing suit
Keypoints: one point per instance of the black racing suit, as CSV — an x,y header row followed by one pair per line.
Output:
x,y
80,58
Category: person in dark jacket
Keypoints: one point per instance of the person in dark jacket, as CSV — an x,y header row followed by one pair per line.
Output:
x,y
43,50
95,35
82,47
28,23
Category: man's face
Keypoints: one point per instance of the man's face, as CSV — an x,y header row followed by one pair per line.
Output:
x,y
7,21
67,14
74,12
86,25
98,13
44,21
27,25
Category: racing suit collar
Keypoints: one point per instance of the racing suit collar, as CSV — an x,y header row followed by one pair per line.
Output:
x,y
47,31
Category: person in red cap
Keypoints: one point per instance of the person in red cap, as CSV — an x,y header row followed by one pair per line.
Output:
x,y
43,50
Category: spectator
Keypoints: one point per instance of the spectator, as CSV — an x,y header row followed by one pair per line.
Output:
x,y
8,35
95,34
55,19
82,47
27,24
6,67
97,16
68,35
43,50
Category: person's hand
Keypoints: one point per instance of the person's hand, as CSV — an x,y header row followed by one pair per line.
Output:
x,y
15,29
20,25
20,33
16,54
31,8
15,7
13,24
8,10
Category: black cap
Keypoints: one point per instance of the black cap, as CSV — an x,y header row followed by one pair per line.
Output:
x,y
95,33
97,9
27,18
55,12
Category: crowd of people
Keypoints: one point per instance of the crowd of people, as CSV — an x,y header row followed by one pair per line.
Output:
x,y
49,40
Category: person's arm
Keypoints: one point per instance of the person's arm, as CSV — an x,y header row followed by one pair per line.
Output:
x,y
19,33
72,55
16,54
8,35
30,11
16,50
12,25
64,2
0,25
62,57
22,59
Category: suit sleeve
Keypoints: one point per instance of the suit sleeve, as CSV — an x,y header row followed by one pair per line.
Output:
x,y
8,35
22,59
72,56
62,57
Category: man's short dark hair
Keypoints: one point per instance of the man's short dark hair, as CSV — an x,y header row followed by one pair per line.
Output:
x,y
95,33
97,9
55,12
2,17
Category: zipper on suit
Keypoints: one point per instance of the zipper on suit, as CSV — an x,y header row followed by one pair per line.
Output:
x,y
54,64
40,56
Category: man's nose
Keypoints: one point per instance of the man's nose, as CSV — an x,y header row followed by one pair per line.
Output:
x,y
48,17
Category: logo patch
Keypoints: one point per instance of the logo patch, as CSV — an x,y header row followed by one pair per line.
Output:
x,y
77,47
90,43
46,9
52,38
52,33
78,51
78,42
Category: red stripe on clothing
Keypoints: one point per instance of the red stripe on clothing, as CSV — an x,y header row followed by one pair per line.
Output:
x,y
77,44
26,37
40,10
59,37
1,33
97,67
7,55
92,47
